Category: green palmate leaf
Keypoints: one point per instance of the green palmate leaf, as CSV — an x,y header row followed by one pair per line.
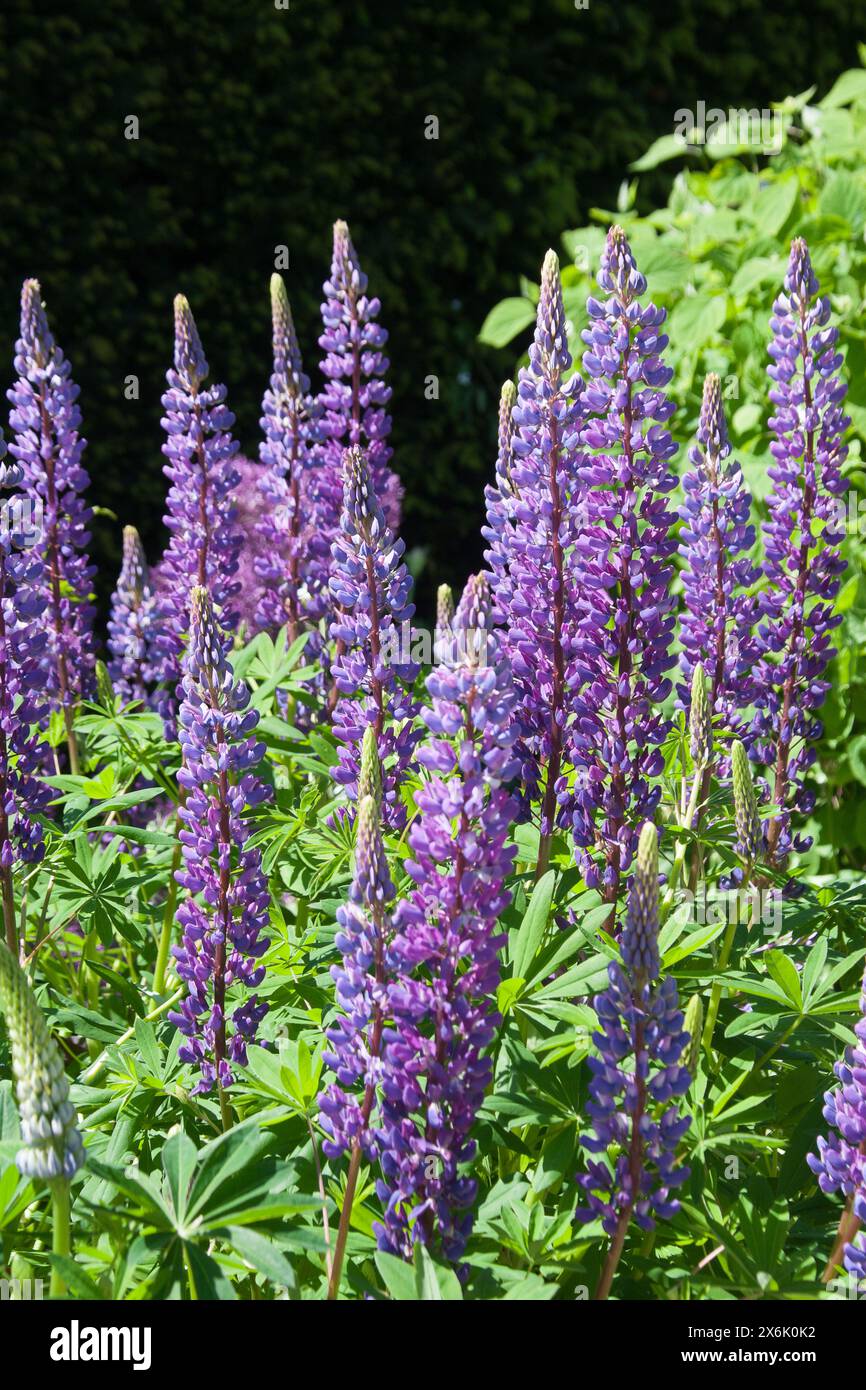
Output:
x,y
665,148
262,1254
179,1160
503,323
849,86
697,319
533,926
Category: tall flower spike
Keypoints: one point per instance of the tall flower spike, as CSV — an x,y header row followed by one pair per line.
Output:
x,y
370,586
22,645
443,962
444,619
534,520
700,719
805,527
355,1039
293,568
205,542
715,540
51,1144
130,625
227,903
356,394
640,946
840,1164
370,776
636,1076
500,497
746,816
46,420
623,650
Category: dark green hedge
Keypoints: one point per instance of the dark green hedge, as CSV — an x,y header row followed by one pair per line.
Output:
x,y
259,126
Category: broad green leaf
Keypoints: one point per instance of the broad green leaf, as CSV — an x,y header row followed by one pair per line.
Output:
x,y
534,925
505,321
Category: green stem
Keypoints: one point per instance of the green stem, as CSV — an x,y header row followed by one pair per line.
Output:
x,y
60,1244
716,991
225,1110
193,1291
167,924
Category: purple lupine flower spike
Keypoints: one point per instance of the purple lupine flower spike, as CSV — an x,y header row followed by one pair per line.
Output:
x,y
356,394
500,497
715,540
534,519
636,1076
442,963
356,1037
295,555
205,542
840,1164
370,586
46,420
22,645
623,651
130,625
227,903
805,527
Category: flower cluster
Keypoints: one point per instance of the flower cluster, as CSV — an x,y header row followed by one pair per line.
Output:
x,y
205,543
803,567
51,1145
638,1073
46,419
442,963
840,1164
294,555
370,586
715,540
130,625
623,649
533,524
356,394
22,645
227,906
356,1037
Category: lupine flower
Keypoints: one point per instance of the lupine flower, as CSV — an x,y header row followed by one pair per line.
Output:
x,y
227,906
715,540
356,394
622,653
694,1024
51,1145
700,719
370,586
803,566
534,516
205,542
46,419
840,1164
746,816
130,626
444,618
22,645
295,555
356,1037
442,963
500,497
638,1072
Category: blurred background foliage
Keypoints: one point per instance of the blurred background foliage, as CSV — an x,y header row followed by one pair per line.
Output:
x,y
715,256
258,126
